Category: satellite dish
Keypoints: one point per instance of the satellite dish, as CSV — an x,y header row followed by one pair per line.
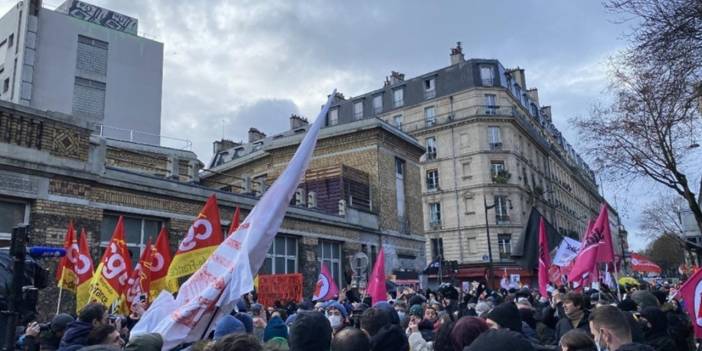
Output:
x,y
359,263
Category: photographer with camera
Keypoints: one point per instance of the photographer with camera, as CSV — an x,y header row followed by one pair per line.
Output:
x,y
46,336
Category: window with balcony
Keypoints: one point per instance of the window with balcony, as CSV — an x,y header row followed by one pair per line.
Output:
x,y
487,75
501,209
334,117
490,104
496,167
431,148
430,116
435,214
429,88
398,96
432,180
378,103
504,242
281,257
397,121
495,138
358,110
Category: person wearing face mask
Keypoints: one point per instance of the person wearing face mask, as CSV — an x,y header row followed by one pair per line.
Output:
x,y
401,309
611,331
336,314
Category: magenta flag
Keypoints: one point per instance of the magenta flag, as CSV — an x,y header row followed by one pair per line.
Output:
x,y
544,258
376,283
691,292
586,260
325,289
605,253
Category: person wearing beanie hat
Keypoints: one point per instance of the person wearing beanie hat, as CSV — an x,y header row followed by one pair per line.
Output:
x,y
228,325
505,316
389,311
336,314
416,300
500,340
275,327
246,320
50,339
311,331
466,330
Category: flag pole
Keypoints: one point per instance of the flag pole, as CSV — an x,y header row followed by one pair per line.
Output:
x,y
58,303
616,280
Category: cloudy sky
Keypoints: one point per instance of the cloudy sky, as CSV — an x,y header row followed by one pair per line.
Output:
x,y
231,65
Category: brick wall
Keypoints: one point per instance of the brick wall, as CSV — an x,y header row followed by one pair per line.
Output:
x,y
144,162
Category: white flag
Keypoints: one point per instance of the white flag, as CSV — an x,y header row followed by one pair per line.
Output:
x,y
566,252
227,273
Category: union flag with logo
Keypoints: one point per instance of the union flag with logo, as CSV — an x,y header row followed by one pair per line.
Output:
x,y
65,274
160,261
203,237
113,271
138,284
83,269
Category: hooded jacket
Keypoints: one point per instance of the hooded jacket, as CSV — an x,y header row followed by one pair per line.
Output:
x,y
145,342
76,336
390,338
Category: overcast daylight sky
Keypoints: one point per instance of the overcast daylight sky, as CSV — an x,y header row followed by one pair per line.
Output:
x,y
231,65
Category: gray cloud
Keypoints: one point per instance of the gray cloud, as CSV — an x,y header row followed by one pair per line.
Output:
x,y
252,63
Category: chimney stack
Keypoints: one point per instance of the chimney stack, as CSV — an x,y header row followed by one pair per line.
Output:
x,y
457,54
224,144
255,135
297,121
395,77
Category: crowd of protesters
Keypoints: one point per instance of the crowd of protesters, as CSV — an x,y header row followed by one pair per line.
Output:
x,y
443,320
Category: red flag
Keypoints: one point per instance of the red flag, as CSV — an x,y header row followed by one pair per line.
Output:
x,y
160,261
691,292
643,264
114,269
65,273
140,279
544,259
203,237
84,271
235,222
376,284
605,253
325,288
587,256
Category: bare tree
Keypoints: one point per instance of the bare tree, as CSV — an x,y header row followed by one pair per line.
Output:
x,y
667,31
651,128
663,216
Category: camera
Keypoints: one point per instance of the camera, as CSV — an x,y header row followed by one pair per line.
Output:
x,y
45,326
113,318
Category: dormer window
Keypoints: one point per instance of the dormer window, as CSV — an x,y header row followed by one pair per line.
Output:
x,y
334,117
358,110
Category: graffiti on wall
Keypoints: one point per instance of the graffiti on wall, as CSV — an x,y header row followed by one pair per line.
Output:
x,y
101,16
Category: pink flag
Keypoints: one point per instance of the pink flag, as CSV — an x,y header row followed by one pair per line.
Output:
x,y
605,253
326,288
691,292
544,259
376,284
586,260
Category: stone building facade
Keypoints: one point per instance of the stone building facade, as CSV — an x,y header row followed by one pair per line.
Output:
x,y
490,146
54,171
365,172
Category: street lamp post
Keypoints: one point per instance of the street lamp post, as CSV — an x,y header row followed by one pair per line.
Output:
x,y
487,229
